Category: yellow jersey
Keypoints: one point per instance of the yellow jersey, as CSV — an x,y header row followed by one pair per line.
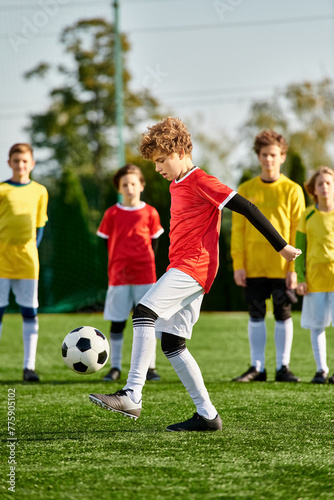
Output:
x,y
315,266
22,210
282,202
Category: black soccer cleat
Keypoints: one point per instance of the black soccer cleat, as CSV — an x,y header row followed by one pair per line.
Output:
x,y
112,375
30,375
331,379
285,375
320,377
152,374
197,423
252,375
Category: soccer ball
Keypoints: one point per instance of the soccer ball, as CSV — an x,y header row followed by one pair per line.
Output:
x,y
85,350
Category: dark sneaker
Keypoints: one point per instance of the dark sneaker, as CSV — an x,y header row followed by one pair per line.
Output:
x,y
320,377
331,379
198,423
119,402
285,375
30,375
152,374
113,374
252,375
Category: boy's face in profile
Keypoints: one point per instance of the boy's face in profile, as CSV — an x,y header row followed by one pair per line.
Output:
x,y
271,158
130,188
21,165
167,166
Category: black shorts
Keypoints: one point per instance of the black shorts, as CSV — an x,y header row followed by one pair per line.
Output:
x,y
260,289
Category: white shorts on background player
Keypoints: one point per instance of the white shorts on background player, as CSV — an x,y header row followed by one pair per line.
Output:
x,y
121,299
317,310
25,291
176,298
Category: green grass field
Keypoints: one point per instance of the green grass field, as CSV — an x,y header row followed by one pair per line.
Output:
x,y
277,441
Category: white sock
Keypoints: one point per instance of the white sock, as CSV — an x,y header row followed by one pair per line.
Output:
x,y
191,377
143,345
257,335
154,357
283,342
30,338
116,347
318,341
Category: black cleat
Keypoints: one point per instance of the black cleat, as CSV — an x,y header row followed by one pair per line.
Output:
x,y
331,379
197,423
285,375
320,377
112,375
252,375
30,375
152,374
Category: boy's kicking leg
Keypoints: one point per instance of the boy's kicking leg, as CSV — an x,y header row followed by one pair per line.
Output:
x,y
128,400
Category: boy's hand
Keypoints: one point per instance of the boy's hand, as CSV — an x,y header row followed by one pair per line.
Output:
x,y
302,289
290,253
291,280
240,277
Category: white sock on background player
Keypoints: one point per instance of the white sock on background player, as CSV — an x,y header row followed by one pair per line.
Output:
x,y
30,338
283,342
116,347
318,341
257,335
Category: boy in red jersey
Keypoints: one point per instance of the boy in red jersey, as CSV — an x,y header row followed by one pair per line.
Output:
x,y
172,305
132,229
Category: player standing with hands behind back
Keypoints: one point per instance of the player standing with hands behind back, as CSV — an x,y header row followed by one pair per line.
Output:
x,y
315,271
23,205
257,267
172,305
131,229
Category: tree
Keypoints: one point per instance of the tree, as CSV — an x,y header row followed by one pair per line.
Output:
x,y
78,128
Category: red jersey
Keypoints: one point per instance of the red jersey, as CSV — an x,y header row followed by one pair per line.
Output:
x,y
197,201
129,231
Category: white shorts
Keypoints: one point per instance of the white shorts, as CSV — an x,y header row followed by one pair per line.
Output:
x,y
121,299
25,291
317,310
176,298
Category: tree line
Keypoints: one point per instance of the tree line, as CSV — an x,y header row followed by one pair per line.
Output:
x,y
78,139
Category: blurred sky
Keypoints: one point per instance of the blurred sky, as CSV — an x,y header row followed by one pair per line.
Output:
x,y
206,60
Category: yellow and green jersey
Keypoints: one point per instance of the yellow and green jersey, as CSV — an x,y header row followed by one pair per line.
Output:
x,y
282,202
315,237
22,210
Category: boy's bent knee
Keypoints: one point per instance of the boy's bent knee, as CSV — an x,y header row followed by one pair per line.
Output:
x,y
172,345
141,311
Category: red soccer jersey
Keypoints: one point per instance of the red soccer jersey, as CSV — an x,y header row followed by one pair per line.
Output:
x,y
129,232
197,201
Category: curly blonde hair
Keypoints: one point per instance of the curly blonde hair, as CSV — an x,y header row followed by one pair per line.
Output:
x,y
166,137
310,184
270,138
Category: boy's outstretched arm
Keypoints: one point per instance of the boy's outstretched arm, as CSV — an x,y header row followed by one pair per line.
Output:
x,y
244,207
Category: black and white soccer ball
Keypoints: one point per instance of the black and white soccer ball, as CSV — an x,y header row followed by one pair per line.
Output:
x,y
85,350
